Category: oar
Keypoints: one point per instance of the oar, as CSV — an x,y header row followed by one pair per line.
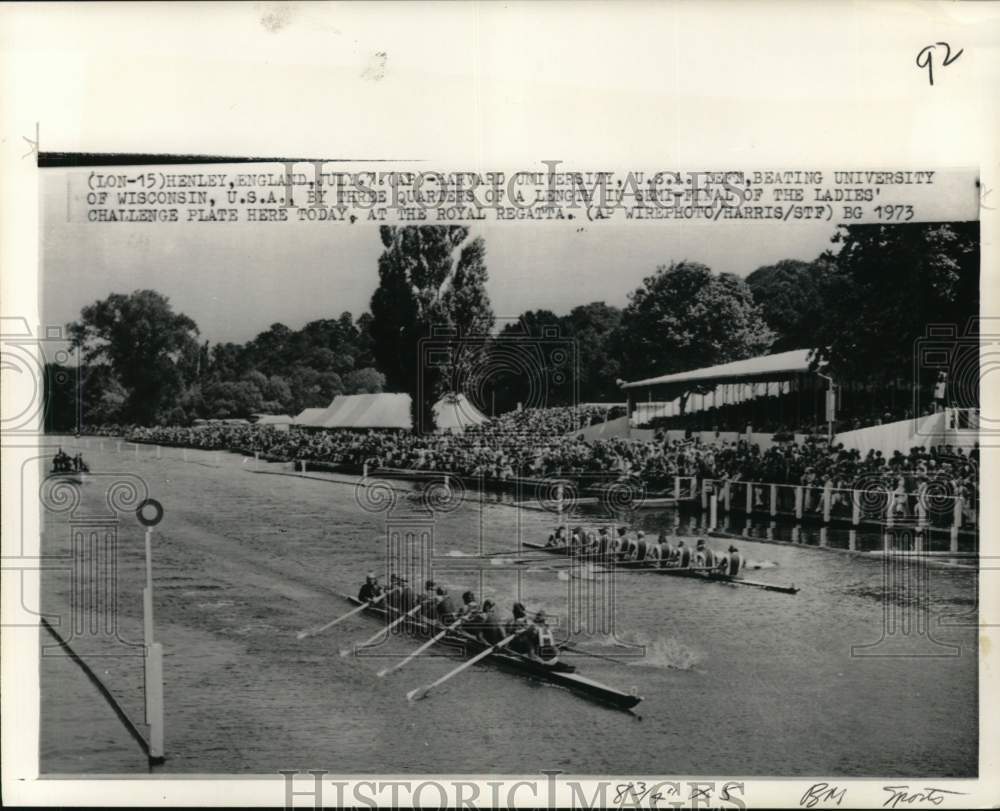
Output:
x,y
351,613
389,627
421,692
385,671
765,586
569,647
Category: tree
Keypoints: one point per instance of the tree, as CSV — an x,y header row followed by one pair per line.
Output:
x,y
364,381
590,327
888,284
431,286
790,295
686,317
145,345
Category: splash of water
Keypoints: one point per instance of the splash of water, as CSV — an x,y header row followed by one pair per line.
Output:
x,y
660,651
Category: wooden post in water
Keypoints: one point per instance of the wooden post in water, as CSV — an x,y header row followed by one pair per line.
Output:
x,y
559,502
798,502
855,508
364,470
956,516
713,513
921,512
704,494
774,500
749,500
725,496
827,501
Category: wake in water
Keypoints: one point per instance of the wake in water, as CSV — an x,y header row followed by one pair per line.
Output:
x,y
661,652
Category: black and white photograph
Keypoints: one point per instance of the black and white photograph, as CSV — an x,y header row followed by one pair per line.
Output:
x,y
406,482
727,479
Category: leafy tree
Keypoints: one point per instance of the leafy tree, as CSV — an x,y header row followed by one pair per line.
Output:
x,y
686,317
591,326
364,381
144,344
431,285
888,284
790,296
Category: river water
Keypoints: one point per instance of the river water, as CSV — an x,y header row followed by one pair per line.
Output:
x,y
736,681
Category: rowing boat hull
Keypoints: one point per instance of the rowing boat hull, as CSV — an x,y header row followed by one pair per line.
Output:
x,y
697,574
513,663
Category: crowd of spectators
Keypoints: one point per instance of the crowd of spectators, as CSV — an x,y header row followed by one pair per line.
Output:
x,y
535,443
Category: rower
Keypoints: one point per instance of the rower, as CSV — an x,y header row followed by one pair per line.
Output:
x,y
638,549
429,600
401,596
703,555
544,647
469,605
445,606
518,624
731,564
683,556
653,554
666,551
487,626
371,588
603,542
620,544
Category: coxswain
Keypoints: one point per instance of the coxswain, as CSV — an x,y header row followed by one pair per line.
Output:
x,y
371,588
469,605
683,557
518,624
487,626
543,647
446,612
703,555
558,538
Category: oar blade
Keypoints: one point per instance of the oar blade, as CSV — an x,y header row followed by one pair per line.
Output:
x,y
416,694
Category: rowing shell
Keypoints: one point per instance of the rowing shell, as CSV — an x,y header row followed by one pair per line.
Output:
x,y
522,665
643,566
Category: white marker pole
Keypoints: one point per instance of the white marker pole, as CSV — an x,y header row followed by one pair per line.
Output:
x,y
153,662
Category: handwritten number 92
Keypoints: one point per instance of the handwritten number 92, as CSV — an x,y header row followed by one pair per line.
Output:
x,y
925,59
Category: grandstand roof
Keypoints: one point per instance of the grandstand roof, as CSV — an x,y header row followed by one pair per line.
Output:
x,y
766,367
454,412
366,411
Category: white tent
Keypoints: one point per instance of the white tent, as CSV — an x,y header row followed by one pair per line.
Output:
x,y
308,417
366,411
454,412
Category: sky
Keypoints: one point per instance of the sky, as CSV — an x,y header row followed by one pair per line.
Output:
x,y
236,279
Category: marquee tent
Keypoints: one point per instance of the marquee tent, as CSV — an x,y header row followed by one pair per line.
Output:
x,y
307,418
366,411
454,412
